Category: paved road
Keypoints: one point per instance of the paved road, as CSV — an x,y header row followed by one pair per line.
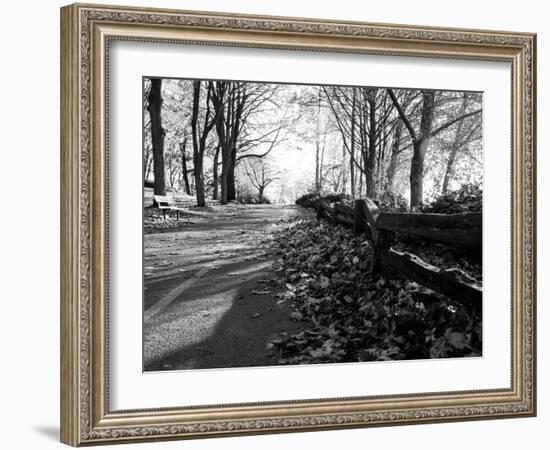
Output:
x,y
209,297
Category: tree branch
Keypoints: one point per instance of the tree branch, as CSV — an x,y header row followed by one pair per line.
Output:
x,y
402,114
452,122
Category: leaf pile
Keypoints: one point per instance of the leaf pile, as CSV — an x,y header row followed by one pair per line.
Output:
x,y
308,200
353,316
392,202
468,198
154,220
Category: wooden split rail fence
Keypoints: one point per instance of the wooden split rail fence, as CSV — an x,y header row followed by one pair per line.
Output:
x,y
463,230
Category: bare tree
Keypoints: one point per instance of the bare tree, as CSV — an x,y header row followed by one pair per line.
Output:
x,y
395,147
200,136
228,101
363,117
235,104
421,139
260,174
463,135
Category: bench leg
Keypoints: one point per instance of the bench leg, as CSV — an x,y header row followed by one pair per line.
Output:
x,y
164,214
177,215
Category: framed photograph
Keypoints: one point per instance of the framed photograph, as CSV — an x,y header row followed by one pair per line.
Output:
x,y
276,224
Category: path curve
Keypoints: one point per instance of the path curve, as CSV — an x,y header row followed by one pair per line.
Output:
x,y
210,297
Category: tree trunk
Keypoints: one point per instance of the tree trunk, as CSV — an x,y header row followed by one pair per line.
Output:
x,y
318,147
352,145
261,194
322,160
361,177
371,159
157,135
392,166
317,171
228,102
171,172
215,176
343,177
197,151
449,169
223,130
420,146
224,185
199,183
147,165
454,148
231,191
185,177
417,171
363,141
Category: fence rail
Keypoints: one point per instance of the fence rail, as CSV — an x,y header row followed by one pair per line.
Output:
x,y
463,230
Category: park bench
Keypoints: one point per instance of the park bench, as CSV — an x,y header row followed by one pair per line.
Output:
x,y
167,203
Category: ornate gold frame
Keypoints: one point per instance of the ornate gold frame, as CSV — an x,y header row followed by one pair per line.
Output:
x,y
86,31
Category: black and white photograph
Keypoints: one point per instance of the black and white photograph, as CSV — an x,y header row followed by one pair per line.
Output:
x,y
289,224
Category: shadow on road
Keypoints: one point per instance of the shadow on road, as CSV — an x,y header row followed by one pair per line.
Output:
x,y
226,317
237,336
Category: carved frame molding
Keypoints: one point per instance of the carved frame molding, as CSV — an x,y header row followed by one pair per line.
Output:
x,y
86,31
